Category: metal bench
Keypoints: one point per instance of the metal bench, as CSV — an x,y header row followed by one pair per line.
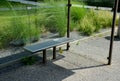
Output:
x,y
48,44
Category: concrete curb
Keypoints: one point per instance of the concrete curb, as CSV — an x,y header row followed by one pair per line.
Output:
x,y
101,34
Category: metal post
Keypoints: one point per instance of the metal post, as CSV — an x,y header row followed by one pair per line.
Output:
x,y
112,32
44,56
54,52
68,22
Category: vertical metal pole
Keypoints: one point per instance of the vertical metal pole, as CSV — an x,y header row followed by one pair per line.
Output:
x,y
68,22
54,52
112,31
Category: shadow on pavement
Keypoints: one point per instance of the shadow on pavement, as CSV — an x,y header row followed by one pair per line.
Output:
x,y
36,72
115,38
89,67
41,72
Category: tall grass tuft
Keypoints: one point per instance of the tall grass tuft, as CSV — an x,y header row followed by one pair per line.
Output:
x,y
15,27
94,21
17,30
55,18
86,26
78,13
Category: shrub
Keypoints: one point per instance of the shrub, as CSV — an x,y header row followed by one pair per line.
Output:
x,y
18,29
29,60
77,13
3,37
87,26
61,24
105,18
73,25
56,19
25,30
94,21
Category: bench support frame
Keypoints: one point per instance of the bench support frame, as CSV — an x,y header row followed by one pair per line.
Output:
x,y
112,32
44,56
54,52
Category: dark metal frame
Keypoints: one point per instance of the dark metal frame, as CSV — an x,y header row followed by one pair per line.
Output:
x,y
54,52
68,22
44,56
112,31
68,32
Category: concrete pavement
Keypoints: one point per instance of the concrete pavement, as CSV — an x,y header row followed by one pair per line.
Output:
x,y
85,61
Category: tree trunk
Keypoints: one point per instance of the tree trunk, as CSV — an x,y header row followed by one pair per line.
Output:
x,y
118,32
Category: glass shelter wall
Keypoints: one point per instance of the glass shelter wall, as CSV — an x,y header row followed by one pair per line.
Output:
x,y
25,23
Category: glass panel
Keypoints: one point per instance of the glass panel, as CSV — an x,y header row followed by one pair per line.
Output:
x,y
25,22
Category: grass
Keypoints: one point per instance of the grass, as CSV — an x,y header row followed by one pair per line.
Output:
x,y
55,19
17,29
9,13
16,24
77,13
29,60
29,24
86,26
94,20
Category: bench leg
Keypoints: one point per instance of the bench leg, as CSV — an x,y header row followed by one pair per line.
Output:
x,y
44,56
54,52
68,46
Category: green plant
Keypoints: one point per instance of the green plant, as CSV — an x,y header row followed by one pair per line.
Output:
x,y
60,20
41,21
18,29
87,26
15,27
105,18
60,50
77,13
95,18
94,21
29,60
73,25
56,19
3,38
78,42
5,4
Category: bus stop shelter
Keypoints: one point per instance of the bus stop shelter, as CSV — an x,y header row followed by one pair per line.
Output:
x,y
115,9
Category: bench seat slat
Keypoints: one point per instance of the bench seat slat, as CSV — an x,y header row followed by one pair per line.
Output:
x,y
48,44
